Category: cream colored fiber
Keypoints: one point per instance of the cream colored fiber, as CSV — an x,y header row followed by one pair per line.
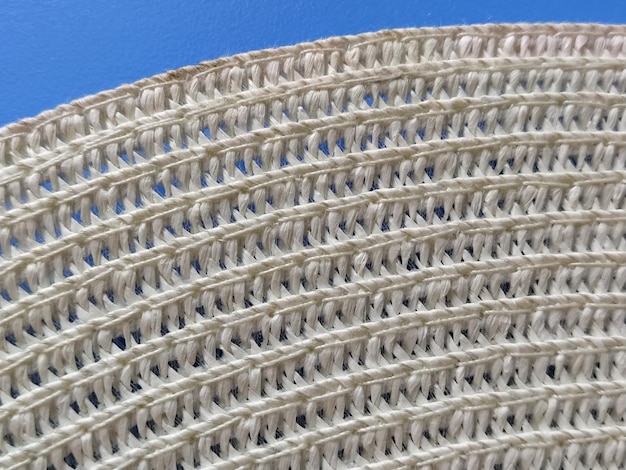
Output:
x,y
404,249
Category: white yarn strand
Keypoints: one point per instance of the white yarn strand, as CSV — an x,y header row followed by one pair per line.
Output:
x,y
403,249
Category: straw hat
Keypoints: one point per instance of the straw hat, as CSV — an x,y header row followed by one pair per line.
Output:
x,y
399,249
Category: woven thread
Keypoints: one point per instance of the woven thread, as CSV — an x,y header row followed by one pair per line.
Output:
x,y
404,249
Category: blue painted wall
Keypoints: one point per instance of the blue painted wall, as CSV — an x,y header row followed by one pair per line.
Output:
x,y
53,51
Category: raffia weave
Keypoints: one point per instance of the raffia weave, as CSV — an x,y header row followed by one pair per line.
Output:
x,y
395,250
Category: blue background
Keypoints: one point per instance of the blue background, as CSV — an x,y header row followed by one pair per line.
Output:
x,y
53,51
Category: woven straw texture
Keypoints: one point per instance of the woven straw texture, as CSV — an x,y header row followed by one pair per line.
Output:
x,y
403,249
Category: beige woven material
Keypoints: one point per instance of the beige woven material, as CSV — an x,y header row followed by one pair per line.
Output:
x,y
404,249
